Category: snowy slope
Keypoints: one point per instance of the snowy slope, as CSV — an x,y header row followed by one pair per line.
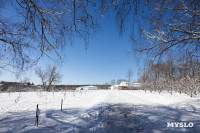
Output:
x,y
98,111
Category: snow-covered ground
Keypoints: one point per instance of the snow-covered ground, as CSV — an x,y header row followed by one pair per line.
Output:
x,y
111,111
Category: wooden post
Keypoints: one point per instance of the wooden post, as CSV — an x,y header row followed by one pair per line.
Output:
x,y
36,119
61,104
37,116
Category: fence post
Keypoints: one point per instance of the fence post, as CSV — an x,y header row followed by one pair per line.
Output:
x,y
61,104
37,115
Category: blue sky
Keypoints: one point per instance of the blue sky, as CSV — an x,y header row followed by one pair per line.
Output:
x,y
105,59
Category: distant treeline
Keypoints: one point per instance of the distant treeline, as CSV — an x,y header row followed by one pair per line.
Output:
x,y
17,87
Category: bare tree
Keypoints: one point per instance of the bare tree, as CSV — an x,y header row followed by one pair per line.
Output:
x,y
42,28
53,76
172,75
43,76
129,75
175,27
48,77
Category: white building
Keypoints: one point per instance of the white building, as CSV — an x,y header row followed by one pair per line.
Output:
x,y
87,88
126,86
123,83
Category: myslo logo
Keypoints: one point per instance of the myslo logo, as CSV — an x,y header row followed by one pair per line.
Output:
x,y
180,124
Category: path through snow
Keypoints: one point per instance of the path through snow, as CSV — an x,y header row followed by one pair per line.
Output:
x,y
98,111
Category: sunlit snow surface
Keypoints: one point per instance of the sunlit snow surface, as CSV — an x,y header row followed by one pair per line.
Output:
x,y
110,111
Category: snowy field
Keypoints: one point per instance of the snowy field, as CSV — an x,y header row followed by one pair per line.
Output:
x,y
110,111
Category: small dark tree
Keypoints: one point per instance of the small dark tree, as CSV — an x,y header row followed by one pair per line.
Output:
x,y
48,77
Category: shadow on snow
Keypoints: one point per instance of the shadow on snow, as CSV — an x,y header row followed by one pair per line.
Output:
x,y
104,118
